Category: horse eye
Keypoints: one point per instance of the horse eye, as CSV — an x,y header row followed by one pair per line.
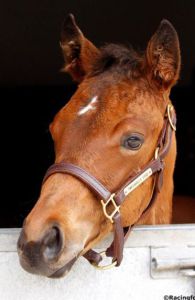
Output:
x,y
133,141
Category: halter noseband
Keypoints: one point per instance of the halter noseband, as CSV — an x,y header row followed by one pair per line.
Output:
x,y
155,166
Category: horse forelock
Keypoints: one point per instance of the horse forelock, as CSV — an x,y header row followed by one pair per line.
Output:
x,y
118,59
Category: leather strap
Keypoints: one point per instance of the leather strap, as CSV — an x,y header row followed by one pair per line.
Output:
x,y
68,168
155,166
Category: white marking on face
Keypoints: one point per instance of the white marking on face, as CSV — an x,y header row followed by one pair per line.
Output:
x,y
89,106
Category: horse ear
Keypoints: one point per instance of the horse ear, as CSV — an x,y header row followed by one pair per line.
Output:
x,y
79,53
163,55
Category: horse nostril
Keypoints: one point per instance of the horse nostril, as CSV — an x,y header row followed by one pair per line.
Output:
x,y
52,243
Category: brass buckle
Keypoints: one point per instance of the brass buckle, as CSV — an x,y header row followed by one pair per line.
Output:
x,y
105,267
116,208
169,109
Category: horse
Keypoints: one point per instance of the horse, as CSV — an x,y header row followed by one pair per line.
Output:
x,y
107,133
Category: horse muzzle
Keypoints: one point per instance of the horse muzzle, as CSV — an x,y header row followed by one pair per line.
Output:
x,y
42,257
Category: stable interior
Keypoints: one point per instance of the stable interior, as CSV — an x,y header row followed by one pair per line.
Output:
x,y
183,209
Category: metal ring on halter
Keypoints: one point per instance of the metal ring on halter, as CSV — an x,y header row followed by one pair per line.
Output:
x,y
156,154
169,109
106,267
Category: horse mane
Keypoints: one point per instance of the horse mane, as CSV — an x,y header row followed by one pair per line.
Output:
x,y
119,59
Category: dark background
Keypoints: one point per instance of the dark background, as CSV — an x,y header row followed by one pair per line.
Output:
x,y
32,89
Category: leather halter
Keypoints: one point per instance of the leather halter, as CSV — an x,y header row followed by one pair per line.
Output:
x,y
114,200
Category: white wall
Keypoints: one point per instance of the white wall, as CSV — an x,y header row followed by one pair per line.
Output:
x,y
130,281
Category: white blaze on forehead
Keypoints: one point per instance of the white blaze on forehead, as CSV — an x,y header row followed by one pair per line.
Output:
x,y
89,106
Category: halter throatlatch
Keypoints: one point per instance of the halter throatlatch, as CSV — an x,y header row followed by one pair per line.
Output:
x,y
114,200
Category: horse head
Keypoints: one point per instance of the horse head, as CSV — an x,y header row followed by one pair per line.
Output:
x,y
110,127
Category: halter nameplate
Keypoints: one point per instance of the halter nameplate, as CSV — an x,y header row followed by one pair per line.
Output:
x,y
133,185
